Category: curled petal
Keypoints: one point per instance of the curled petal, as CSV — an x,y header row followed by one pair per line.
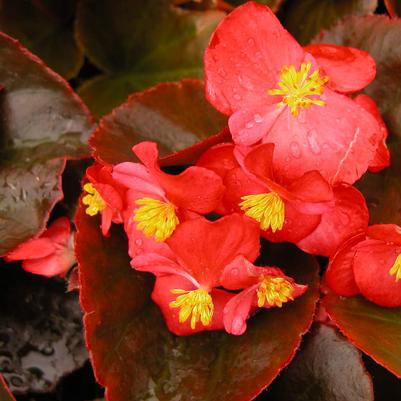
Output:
x,y
385,232
349,216
349,69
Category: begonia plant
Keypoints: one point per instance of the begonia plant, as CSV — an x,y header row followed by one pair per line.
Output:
x,y
232,230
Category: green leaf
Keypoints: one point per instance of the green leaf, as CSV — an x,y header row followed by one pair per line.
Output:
x,y
373,329
42,122
138,43
327,368
45,28
176,115
305,18
379,35
5,394
136,358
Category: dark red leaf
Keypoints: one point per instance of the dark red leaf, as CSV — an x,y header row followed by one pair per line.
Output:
x,y
135,357
176,115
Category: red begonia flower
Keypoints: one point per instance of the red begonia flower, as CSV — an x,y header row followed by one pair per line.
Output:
x,y
287,210
104,195
264,287
381,158
161,198
369,264
275,92
349,216
186,283
49,255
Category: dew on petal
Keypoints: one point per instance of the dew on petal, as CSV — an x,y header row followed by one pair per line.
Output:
x,y
258,118
295,150
313,143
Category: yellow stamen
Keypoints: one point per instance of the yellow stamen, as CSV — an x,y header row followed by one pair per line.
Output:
x,y
197,303
274,291
396,268
296,87
267,209
156,218
93,200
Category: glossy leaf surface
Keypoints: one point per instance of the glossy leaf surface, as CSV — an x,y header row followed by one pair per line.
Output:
x,y
305,18
167,44
373,329
42,122
327,368
175,115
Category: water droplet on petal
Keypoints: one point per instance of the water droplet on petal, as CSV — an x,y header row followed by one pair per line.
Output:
x,y
258,118
245,82
237,96
249,124
295,150
258,55
138,242
344,218
251,42
313,143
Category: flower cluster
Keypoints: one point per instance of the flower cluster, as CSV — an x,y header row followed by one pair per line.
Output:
x,y
300,139
299,142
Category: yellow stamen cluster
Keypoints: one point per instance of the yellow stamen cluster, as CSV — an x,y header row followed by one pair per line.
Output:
x,y
155,218
197,303
267,209
93,200
396,268
274,291
296,87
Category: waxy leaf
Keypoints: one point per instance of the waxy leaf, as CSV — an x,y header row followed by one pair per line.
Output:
x,y
373,329
5,394
176,115
136,358
41,336
138,43
45,28
305,18
42,123
327,368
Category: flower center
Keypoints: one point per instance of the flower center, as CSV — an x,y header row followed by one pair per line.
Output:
x,y
93,200
396,268
274,291
197,303
298,88
267,209
155,218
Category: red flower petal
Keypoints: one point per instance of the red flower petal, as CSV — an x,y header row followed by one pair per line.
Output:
x,y
196,189
340,274
55,264
205,247
297,226
349,216
162,296
385,232
238,309
219,158
349,69
58,231
244,58
372,263
32,249
381,158
339,140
